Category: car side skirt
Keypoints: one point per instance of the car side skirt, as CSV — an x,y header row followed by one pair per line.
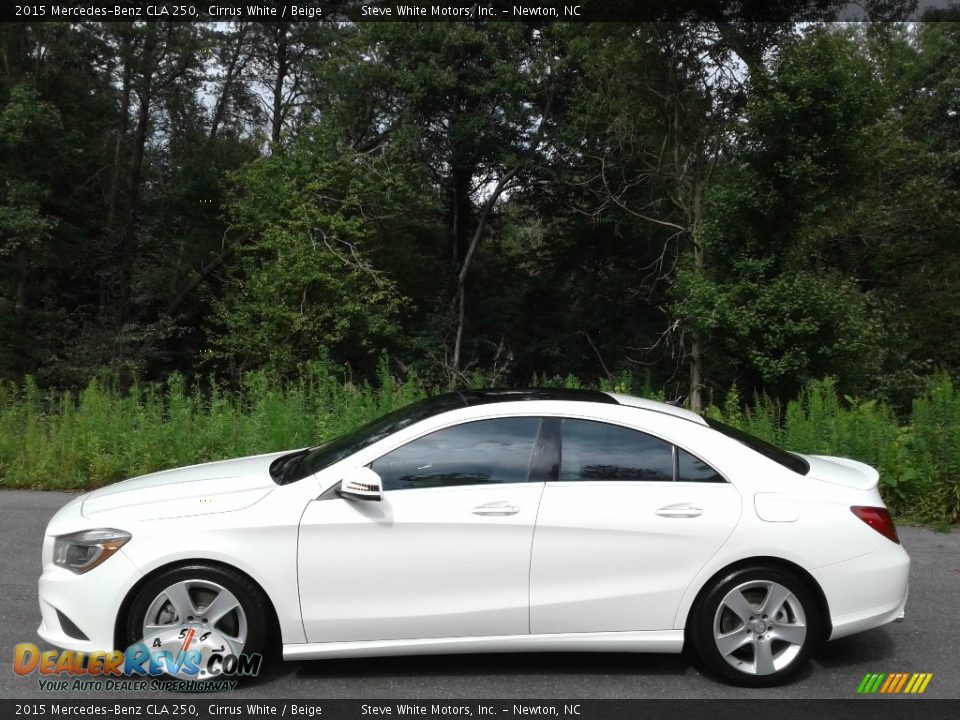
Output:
x,y
655,641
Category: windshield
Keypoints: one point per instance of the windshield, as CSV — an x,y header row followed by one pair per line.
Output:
x,y
298,465
789,460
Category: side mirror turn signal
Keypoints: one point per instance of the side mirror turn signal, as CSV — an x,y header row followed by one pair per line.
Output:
x,y
361,483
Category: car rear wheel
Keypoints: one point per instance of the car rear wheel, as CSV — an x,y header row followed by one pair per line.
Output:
x,y
207,608
756,627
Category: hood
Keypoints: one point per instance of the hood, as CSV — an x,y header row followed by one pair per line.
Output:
x,y
69,518
196,490
842,471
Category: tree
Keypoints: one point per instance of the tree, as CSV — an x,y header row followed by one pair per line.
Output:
x,y
649,124
303,286
778,307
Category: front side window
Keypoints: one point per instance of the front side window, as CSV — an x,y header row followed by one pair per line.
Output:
x,y
298,465
483,452
600,451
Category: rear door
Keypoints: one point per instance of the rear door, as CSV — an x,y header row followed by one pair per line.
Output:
x,y
622,530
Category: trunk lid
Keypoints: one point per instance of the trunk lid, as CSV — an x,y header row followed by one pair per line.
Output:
x,y
842,471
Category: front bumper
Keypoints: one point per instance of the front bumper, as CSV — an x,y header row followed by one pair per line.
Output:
x,y
90,601
868,591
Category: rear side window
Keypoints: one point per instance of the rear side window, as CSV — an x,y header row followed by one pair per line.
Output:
x,y
690,468
788,459
600,451
483,452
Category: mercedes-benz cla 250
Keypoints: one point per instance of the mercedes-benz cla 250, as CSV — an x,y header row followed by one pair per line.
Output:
x,y
488,521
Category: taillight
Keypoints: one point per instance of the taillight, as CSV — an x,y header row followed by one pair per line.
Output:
x,y
879,519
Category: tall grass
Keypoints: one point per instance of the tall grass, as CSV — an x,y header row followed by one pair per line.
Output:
x,y
918,459
59,440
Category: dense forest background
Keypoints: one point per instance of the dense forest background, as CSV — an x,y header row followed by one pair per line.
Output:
x,y
749,205
226,238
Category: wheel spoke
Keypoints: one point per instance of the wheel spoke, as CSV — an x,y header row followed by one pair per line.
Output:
x,y
173,609
763,658
221,605
149,629
180,599
732,642
777,595
234,645
738,605
794,634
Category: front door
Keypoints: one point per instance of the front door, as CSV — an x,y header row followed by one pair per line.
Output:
x,y
445,554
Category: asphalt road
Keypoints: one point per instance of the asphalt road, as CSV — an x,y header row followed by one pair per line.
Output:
x,y
927,641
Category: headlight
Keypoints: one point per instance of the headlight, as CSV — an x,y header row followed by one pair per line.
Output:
x,y
83,551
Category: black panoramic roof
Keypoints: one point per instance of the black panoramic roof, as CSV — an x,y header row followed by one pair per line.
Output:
x,y
494,395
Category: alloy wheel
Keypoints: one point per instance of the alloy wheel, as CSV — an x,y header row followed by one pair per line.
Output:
x,y
759,627
196,614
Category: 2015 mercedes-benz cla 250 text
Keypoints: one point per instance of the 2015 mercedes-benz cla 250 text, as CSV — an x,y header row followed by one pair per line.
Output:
x,y
497,520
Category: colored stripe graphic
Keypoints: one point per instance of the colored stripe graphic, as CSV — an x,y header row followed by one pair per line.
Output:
x,y
894,683
891,681
903,680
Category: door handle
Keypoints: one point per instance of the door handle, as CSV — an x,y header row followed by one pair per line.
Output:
x,y
680,510
500,507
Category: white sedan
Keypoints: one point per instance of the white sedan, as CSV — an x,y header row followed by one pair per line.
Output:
x,y
489,521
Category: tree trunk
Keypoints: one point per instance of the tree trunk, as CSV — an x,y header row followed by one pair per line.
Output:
x,y
112,228
468,258
696,341
205,271
234,68
129,239
461,204
478,234
282,59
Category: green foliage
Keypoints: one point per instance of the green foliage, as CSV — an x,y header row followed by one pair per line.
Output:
x,y
304,286
51,440
196,199
781,330
918,460
62,441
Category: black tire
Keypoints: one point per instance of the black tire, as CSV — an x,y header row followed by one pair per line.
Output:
x,y
741,667
254,603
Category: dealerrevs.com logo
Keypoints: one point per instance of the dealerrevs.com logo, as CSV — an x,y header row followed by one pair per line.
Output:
x,y
894,683
197,661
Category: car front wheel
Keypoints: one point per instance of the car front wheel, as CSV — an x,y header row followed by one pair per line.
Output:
x,y
207,608
756,627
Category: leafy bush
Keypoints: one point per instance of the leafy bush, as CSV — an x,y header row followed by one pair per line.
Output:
x,y
919,460
62,441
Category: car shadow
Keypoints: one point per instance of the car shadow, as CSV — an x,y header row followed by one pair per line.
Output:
x,y
864,648
498,664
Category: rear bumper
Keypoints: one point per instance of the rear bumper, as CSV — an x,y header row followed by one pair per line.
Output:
x,y
868,591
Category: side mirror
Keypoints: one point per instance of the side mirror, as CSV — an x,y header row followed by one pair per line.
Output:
x,y
361,483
